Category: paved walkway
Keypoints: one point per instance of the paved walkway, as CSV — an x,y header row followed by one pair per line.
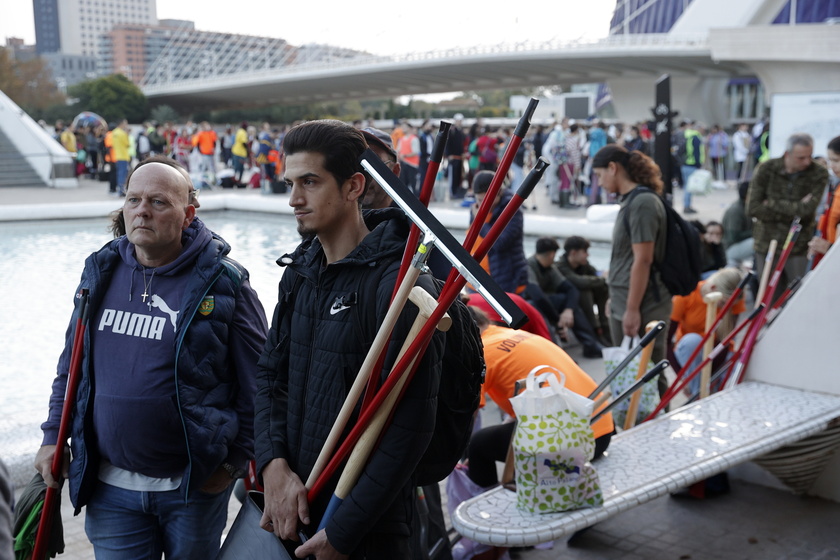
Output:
x,y
752,522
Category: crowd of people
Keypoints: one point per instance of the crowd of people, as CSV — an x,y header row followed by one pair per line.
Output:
x,y
108,152
569,145
185,381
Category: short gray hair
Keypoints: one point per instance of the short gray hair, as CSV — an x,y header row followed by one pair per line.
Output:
x,y
799,139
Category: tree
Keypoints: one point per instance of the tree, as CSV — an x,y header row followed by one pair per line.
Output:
x,y
28,83
164,113
113,97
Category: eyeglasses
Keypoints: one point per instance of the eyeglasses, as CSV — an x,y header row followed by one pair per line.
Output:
x,y
194,193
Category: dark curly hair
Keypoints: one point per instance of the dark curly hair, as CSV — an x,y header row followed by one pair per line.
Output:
x,y
640,168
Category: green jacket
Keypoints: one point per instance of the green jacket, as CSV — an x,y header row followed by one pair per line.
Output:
x,y
583,277
775,199
736,225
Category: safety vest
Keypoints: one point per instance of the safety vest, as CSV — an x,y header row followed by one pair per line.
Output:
x,y
763,141
405,149
109,148
690,157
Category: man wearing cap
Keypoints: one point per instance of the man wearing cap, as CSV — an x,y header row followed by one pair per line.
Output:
x,y
375,197
454,152
380,143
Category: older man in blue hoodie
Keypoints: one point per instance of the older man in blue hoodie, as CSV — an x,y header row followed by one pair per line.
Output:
x,y
163,421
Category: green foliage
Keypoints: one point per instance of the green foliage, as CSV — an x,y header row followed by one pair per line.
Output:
x,y
113,97
164,113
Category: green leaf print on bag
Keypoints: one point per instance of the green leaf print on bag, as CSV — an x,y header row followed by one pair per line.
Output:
x,y
552,445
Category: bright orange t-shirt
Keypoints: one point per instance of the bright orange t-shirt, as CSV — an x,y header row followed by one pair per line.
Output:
x,y
690,312
206,142
511,354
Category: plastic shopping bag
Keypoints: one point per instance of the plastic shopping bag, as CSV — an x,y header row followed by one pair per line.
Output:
x,y
700,182
460,487
552,446
649,393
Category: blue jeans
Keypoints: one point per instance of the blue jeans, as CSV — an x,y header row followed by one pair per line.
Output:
x,y
685,346
238,167
122,175
130,525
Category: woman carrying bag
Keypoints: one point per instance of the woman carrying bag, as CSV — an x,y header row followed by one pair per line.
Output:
x,y
637,294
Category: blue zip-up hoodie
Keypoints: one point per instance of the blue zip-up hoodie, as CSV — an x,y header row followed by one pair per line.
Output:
x,y
200,308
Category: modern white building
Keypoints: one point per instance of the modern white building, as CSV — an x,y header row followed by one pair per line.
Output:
x,y
73,27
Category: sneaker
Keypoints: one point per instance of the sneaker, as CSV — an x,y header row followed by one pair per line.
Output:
x,y
689,210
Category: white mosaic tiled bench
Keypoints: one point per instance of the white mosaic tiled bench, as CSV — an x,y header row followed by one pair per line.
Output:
x,y
660,457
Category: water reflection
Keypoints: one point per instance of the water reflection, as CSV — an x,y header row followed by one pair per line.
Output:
x,y
43,263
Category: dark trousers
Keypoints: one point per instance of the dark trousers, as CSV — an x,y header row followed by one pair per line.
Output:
x,y
490,444
377,546
428,529
551,305
456,177
589,300
112,178
408,174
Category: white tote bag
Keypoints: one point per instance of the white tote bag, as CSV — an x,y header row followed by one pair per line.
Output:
x,y
552,446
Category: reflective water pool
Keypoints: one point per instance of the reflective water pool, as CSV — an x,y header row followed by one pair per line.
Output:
x,y
43,263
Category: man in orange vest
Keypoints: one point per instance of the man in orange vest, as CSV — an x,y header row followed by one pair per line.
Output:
x,y
205,140
409,152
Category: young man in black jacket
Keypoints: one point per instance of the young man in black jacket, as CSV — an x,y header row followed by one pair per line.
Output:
x,y
339,283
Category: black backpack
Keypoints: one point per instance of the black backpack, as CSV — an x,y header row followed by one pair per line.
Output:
x,y
462,374
681,266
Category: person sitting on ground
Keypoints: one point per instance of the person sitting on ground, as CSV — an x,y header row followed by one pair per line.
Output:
x,y
711,250
510,355
737,229
557,298
688,321
594,292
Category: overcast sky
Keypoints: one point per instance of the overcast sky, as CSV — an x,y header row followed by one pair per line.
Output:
x,y
381,29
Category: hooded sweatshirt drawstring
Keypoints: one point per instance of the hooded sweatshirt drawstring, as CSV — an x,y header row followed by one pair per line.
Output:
x,y
131,283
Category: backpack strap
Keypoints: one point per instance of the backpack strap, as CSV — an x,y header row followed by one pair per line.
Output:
x,y
234,270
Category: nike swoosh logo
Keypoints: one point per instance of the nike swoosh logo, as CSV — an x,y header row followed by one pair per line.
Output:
x,y
334,309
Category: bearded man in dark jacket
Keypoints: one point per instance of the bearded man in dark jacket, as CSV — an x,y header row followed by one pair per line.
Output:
x,y
335,292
